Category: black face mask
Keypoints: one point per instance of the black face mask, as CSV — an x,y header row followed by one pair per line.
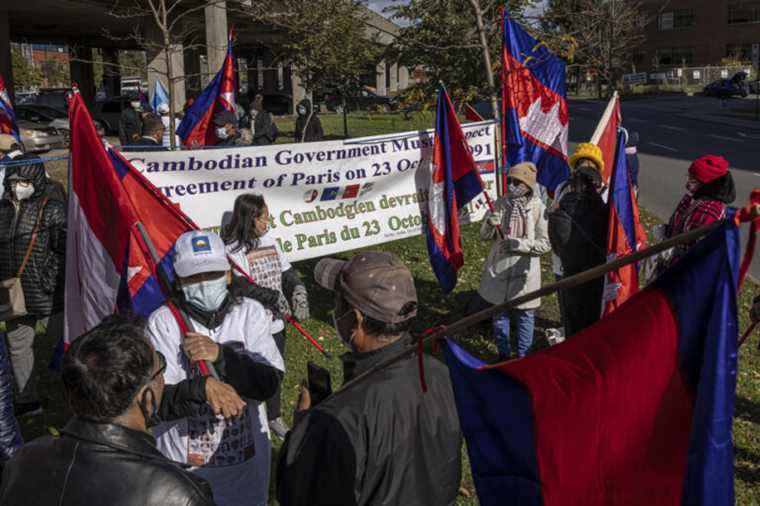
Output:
x,y
344,320
151,416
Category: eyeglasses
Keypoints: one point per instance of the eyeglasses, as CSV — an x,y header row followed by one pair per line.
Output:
x,y
161,366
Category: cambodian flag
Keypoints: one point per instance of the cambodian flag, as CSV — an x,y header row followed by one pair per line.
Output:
x,y
534,109
108,265
7,114
625,234
455,181
196,128
635,410
606,134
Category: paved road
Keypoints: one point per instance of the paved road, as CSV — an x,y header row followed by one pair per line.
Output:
x,y
673,132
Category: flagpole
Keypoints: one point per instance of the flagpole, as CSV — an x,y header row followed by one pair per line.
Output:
x,y
565,283
165,281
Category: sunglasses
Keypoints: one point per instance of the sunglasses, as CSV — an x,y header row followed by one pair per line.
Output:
x,y
161,366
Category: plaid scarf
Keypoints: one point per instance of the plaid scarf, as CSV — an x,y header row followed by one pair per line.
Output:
x,y
516,217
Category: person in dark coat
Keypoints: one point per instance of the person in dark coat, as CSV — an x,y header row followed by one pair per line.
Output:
x,y
578,234
383,441
308,125
152,138
226,129
130,123
264,128
27,201
114,384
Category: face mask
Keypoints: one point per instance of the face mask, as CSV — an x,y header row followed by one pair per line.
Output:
x,y
136,105
517,190
207,295
302,111
221,132
344,324
23,192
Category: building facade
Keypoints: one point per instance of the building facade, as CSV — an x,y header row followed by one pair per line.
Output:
x,y
698,32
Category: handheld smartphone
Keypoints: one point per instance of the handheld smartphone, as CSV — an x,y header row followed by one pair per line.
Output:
x,y
320,386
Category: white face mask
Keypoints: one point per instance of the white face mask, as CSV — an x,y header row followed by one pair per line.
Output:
x,y
221,132
206,295
23,192
302,111
136,105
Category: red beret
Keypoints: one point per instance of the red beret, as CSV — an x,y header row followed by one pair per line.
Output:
x,y
709,168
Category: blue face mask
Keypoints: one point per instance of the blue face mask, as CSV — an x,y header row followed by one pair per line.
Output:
x,y
206,295
221,133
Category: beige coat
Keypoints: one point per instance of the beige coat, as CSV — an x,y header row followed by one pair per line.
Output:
x,y
513,267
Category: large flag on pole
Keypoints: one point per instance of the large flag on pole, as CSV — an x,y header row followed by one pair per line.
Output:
x,y
606,134
637,409
534,108
196,128
7,114
160,96
625,234
108,265
455,181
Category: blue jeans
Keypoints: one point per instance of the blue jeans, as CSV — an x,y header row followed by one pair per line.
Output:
x,y
525,323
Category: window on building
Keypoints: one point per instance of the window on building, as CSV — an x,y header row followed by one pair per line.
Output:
x,y
675,56
740,52
743,13
678,19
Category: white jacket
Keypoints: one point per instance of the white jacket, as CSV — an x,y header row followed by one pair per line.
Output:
x,y
513,267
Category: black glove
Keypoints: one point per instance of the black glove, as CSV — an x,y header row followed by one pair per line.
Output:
x,y
265,296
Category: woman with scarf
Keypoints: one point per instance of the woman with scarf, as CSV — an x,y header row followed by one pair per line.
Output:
x,y
513,267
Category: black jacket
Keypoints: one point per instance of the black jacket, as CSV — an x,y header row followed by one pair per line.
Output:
x,y
145,144
98,463
381,442
130,126
264,129
578,234
43,278
308,126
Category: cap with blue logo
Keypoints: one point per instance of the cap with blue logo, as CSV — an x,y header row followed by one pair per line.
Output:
x,y
198,252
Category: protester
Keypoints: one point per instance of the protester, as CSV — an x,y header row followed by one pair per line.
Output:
x,y
308,125
32,248
130,123
10,433
233,333
152,138
100,130
383,441
165,113
513,267
114,384
227,131
578,231
632,159
10,149
709,190
255,251
264,129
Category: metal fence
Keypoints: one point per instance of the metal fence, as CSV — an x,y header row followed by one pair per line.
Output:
x,y
696,76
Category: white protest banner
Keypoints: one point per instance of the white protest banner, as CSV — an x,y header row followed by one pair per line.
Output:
x,y
323,197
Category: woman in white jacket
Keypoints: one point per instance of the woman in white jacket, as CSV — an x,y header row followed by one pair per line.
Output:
x,y
513,267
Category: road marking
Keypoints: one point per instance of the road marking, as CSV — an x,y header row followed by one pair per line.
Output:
x,y
663,147
742,134
724,138
677,129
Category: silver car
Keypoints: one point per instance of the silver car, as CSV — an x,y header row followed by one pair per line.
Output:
x,y
40,138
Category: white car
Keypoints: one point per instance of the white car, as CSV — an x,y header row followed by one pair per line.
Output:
x,y
40,138
45,114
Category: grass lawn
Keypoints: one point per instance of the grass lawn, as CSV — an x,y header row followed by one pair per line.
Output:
x,y
435,309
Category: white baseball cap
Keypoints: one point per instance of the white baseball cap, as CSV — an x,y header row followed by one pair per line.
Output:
x,y
198,252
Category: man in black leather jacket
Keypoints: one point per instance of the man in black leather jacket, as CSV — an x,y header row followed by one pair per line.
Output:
x,y
113,380
382,441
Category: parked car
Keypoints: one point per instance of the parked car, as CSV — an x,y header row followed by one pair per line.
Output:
x,y
108,112
40,138
754,87
55,118
736,86
52,97
364,100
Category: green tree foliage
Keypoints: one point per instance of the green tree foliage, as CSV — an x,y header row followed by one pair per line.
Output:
x,y
443,38
26,74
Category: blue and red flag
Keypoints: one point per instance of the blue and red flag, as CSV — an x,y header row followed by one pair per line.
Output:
x,y
7,114
108,265
625,234
534,109
196,128
455,181
636,409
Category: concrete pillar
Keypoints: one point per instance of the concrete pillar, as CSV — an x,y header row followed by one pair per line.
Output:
x,y
380,88
158,66
299,91
192,72
5,52
394,78
111,72
216,34
82,72
403,78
